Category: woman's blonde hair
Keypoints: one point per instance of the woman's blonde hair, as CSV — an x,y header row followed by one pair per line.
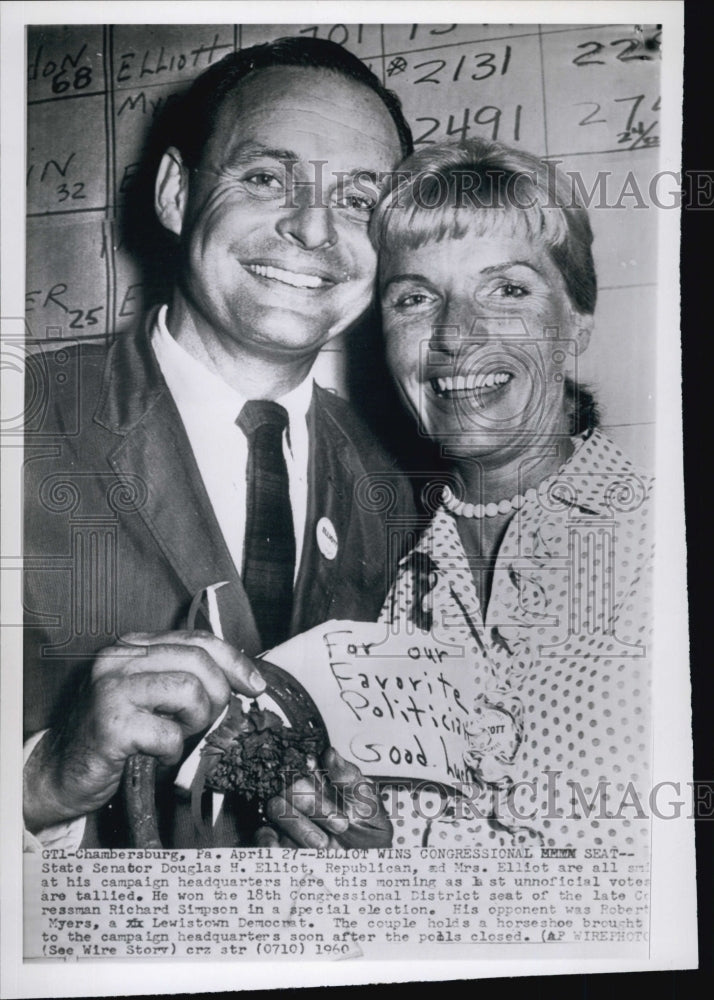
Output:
x,y
444,190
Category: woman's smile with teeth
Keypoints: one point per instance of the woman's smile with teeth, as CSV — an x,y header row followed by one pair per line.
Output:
x,y
467,383
294,278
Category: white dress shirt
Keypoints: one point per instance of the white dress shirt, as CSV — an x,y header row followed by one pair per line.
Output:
x,y
208,407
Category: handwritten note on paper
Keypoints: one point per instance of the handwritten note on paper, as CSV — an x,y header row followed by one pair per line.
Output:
x,y
396,705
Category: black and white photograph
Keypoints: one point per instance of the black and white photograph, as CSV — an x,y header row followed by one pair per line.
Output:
x,y
343,536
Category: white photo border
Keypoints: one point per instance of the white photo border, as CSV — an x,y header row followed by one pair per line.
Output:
x,y
673,923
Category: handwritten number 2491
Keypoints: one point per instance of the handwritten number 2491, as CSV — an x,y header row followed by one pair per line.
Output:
x,y
487,115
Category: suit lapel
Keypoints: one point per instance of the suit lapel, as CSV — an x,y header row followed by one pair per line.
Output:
x,y
330,483
176,508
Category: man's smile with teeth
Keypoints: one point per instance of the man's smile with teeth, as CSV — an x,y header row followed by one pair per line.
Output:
x,y
297,279
467,383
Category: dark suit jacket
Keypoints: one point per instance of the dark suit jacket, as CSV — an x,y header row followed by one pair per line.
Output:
x,y
120,534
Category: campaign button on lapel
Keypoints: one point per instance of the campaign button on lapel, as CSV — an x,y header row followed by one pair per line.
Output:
x,y
326,538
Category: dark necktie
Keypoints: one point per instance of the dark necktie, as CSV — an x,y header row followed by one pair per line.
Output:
x,y
269,550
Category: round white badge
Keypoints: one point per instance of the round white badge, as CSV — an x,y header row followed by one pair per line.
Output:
x,y
326,538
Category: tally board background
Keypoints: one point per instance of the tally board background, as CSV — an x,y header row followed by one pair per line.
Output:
x,y
585,95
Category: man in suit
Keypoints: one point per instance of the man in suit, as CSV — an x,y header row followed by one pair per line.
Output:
x,y
139,468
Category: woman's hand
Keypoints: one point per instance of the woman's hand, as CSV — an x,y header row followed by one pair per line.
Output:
x,y
336,807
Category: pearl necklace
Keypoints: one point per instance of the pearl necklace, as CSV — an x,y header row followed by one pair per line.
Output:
x,y
479,510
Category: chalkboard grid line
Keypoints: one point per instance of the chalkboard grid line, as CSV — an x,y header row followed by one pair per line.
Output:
x,y
499,38
635,423
110,214
383,57
65,97
602,152
635,284
67,211
542,84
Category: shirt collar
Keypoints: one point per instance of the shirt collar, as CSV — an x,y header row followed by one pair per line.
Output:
x,y
439,538
597,478
193,386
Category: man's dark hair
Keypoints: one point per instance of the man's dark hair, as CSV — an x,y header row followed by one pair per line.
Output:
x,y
196,112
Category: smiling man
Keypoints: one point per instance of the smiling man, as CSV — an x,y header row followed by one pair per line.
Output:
x,y
203,453
273,219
